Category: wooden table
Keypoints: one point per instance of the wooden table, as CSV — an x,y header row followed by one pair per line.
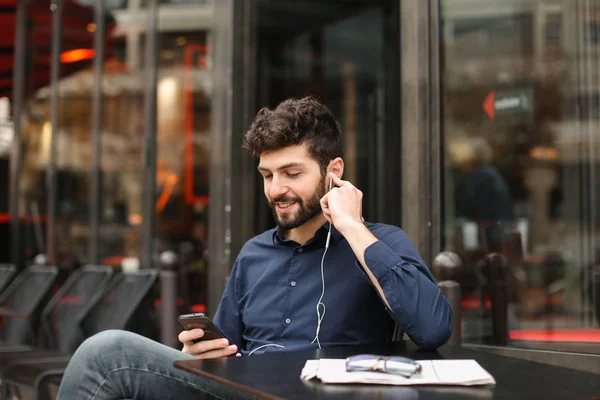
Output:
x,y
277,375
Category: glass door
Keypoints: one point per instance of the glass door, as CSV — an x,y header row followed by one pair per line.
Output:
x,y
345,54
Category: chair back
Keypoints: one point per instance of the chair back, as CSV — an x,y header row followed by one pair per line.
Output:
x,y
6,273
26,295
62,316
125,296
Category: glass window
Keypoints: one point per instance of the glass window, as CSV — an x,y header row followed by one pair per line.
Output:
x,y
592,32
72,163
520,101
73,157
36,135
6,139
184,95
121,144
337,54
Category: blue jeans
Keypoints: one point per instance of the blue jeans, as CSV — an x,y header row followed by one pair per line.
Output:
x,y
123,365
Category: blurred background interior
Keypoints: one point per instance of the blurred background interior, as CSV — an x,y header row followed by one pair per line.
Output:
x,y
121,127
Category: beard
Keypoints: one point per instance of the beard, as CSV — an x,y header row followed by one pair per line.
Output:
x,y
307,209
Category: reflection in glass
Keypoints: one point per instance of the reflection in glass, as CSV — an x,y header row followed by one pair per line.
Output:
x,y
182,198
335,54
121,149
183,153
6,141
73,138
36,135
73,157
520,101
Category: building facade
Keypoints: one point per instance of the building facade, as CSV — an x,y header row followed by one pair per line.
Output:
x,y
473,125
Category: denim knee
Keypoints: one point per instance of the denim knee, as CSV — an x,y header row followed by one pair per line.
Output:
x,y
106,343
123,365
106,339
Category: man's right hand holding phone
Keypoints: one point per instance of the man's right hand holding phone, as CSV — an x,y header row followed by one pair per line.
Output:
x,y
205,349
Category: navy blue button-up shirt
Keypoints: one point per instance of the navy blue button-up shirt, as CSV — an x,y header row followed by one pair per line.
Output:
x,y
273,290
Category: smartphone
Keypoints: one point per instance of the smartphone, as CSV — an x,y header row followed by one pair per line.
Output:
x,y
200,320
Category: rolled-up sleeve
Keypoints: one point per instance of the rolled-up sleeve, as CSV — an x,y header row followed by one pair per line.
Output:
x,y
417,304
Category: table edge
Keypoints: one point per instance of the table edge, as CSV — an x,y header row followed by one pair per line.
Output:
x,y
182,364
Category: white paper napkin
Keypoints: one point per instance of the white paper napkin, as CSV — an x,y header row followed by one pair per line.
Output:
x,y
434,372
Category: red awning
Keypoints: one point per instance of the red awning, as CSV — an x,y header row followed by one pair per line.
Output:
x,y
77,41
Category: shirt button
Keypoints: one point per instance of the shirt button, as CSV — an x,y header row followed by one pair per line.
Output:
x,y
293,283
299,249
287,321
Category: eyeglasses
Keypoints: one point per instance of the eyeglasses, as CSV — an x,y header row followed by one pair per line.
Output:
x,y
391,364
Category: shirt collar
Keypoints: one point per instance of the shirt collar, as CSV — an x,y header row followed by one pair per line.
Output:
x,y
278,238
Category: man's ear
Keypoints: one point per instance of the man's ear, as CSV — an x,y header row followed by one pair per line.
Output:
x,y
337,167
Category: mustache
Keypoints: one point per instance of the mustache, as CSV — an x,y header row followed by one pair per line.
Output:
x,y
286,199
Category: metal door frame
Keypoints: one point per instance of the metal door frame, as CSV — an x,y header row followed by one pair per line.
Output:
x,y
421,125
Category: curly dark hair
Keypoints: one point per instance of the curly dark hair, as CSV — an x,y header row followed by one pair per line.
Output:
x,y
294,122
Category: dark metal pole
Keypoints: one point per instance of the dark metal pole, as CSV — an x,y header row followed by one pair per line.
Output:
x,y
168,296
434,130
219,241
497,269
243,105
596,291
149,155
415,72
56,8
16,159
97,116
390,142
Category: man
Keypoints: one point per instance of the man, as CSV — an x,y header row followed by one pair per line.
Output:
x,y
484,197
362,280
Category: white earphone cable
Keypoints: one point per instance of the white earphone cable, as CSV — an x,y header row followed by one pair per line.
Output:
x,y
320,302
266,345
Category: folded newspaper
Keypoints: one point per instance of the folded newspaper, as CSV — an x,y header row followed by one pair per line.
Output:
x,y
433,372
